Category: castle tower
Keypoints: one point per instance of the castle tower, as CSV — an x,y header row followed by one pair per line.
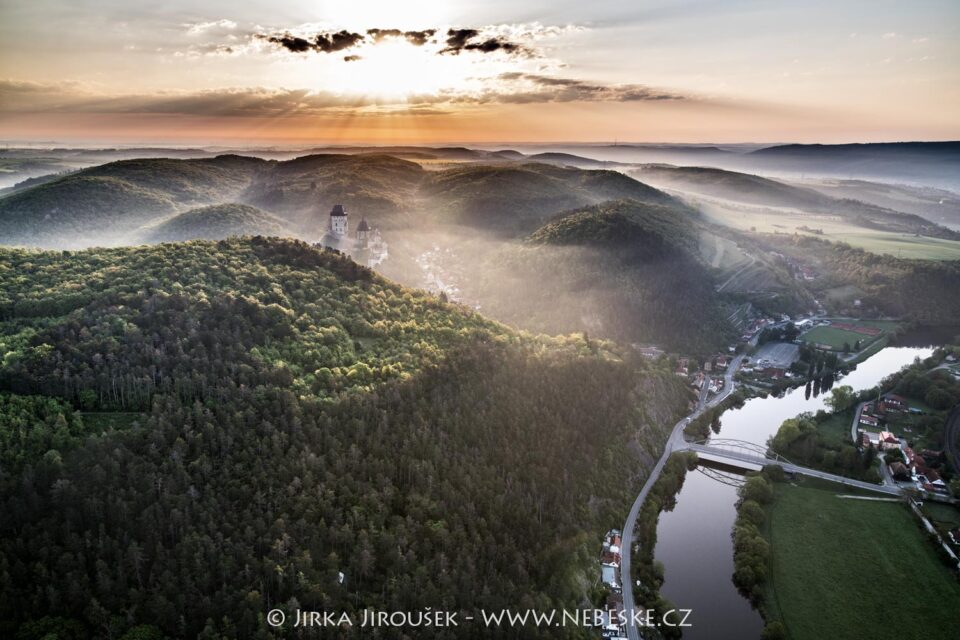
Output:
x,y
338,221
363,233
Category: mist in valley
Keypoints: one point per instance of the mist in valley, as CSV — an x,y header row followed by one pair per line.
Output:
x,y
620,242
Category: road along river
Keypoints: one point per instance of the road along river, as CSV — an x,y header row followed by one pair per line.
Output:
x,y
694,542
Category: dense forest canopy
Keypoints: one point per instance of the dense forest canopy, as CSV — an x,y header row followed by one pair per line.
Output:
x,y
196,433
215,222
923,291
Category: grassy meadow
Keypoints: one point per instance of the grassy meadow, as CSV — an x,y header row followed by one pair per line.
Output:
x,y
834,228
846,569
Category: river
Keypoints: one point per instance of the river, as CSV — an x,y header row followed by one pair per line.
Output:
x,y
693,540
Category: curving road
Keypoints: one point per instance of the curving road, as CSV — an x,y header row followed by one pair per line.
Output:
x,y
674,442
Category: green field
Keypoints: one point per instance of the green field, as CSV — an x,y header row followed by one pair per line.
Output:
x,y
849,569
836,338
770,220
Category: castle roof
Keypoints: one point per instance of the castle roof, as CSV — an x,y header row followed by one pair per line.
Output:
x,y
338,210
363,226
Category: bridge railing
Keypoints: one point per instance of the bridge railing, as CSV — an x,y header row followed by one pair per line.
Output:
x,y
742,448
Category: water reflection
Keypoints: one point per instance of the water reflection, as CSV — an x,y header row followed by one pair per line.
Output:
x,y
694,541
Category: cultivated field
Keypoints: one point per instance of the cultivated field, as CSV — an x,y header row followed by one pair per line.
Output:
x,y
772,220
836,562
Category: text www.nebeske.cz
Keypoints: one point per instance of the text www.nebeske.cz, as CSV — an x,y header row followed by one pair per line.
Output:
x,y
497,618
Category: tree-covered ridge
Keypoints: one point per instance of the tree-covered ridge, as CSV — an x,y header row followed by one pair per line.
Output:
x,y
109,203
307,316
924,291
216,222
302,190
637,226
517,198
193,182
626,270
303,417
77,206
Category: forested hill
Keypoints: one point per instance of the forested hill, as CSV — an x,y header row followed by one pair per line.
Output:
x,y
514,200
193,434
624,269
648,230
215,222
114,203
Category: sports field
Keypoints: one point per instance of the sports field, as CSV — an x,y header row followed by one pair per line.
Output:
x,y
846,569
849,332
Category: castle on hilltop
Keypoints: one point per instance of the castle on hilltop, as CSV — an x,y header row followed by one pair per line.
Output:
x,y
365,247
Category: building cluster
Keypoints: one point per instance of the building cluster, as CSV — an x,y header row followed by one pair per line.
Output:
x,y
710,374
613,617
920,468
800,270
366,246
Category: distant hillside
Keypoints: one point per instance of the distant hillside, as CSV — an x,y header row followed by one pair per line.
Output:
x,y
760,191
202,181
569,159
215,223
937,205
516,199
302,190
622,269
930,163
104,204
864,151
77,210
732,185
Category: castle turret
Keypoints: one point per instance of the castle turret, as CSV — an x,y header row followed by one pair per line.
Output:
x,y
363,232
338,221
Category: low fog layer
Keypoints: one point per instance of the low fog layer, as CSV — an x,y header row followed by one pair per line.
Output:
x,y
552,241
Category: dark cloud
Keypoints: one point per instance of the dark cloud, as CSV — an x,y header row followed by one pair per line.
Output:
x,y
289,42
466,40
330,42
352,58
417,38
458,38
322,42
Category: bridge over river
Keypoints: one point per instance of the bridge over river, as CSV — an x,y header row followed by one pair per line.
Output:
x,y
750,456
735,453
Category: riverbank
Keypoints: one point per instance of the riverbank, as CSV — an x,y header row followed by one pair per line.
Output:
x,y
695,544
853,569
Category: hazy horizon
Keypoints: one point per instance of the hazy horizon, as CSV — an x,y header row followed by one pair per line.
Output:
x,y
373,72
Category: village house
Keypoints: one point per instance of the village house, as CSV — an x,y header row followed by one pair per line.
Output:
x,y
775,373
610,559
893,403
888,441
900,471
870,421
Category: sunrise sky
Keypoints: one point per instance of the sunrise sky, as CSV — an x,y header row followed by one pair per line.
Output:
x,y
407,71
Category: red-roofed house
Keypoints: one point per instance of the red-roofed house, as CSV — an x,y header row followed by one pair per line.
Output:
x,y
888,441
